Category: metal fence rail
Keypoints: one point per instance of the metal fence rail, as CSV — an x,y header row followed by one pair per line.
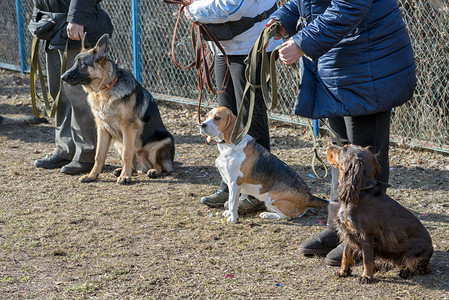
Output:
x,y
142,42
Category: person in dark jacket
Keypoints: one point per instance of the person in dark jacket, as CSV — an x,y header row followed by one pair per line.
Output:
x,y
75,133
356,64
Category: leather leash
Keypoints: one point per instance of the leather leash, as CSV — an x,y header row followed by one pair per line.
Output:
x,y
49,110
202,62
267,73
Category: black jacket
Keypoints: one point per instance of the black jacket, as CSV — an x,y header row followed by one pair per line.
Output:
x,y
83,12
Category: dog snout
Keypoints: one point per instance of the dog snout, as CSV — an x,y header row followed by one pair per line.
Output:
x,y
203,125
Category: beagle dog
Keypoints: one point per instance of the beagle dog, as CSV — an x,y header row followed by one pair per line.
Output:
x,y
249,168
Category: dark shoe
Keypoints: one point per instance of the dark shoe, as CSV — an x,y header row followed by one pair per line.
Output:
x,y
333,258
217,199
248,204
321,244
52,162
76,167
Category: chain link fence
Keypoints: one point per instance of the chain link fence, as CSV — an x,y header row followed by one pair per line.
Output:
x,y
422,122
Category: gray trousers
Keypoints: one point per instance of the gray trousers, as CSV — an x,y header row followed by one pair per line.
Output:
x,y
75,132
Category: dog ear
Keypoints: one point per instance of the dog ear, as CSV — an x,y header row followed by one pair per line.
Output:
x,y
228,119
332,155
230,123
350,182
85,43
369,148
377,167
102,47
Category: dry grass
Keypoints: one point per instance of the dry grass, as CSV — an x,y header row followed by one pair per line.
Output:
x,y
153,239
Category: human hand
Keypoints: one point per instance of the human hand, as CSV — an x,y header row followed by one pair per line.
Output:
x,y
290,52
75,31
281,32
186,9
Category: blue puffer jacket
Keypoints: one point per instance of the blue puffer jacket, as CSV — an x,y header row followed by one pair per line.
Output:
x,y
360,58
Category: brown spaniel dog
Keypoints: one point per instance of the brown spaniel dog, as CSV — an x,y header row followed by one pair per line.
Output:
x,y
372,223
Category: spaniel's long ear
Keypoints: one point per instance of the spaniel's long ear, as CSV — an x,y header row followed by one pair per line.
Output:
x,y
350,182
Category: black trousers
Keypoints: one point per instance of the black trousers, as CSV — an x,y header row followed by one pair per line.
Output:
x,y
232,97
369,130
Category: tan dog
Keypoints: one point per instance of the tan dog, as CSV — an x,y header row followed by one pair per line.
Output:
x,y
249,168
125,113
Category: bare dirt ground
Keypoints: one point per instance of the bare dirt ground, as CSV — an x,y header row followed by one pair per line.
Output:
x,y
61,239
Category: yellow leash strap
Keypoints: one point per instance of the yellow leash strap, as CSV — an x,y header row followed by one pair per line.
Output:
x,y
315,156
49,109
267,73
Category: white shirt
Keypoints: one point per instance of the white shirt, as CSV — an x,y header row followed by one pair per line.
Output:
x,y
221,11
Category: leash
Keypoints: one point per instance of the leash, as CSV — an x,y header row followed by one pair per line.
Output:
x,y
49,109
316,156
258,54
268,73
202,62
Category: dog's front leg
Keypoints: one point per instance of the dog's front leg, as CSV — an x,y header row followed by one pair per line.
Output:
x,y
346,262
368,262
104,140
129,137
233,203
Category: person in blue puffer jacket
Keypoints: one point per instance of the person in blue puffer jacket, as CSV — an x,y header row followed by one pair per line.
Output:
x,y
245,20
356,64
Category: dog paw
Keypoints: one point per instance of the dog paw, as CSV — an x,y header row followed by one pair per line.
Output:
x,y
152,173
230,217
343,272
365,280
124,180
87,178
405,274
269,215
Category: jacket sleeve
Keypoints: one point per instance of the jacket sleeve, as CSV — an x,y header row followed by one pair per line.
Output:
x,y
217,11
81,11
329,28
288,14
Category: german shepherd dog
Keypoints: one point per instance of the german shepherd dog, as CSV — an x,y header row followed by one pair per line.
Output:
x,y
125,112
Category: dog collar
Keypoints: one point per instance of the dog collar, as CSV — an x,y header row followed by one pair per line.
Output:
x,y
108,86
371,184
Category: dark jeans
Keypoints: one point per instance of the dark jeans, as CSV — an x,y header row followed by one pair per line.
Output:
x,y
232,97
369,130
